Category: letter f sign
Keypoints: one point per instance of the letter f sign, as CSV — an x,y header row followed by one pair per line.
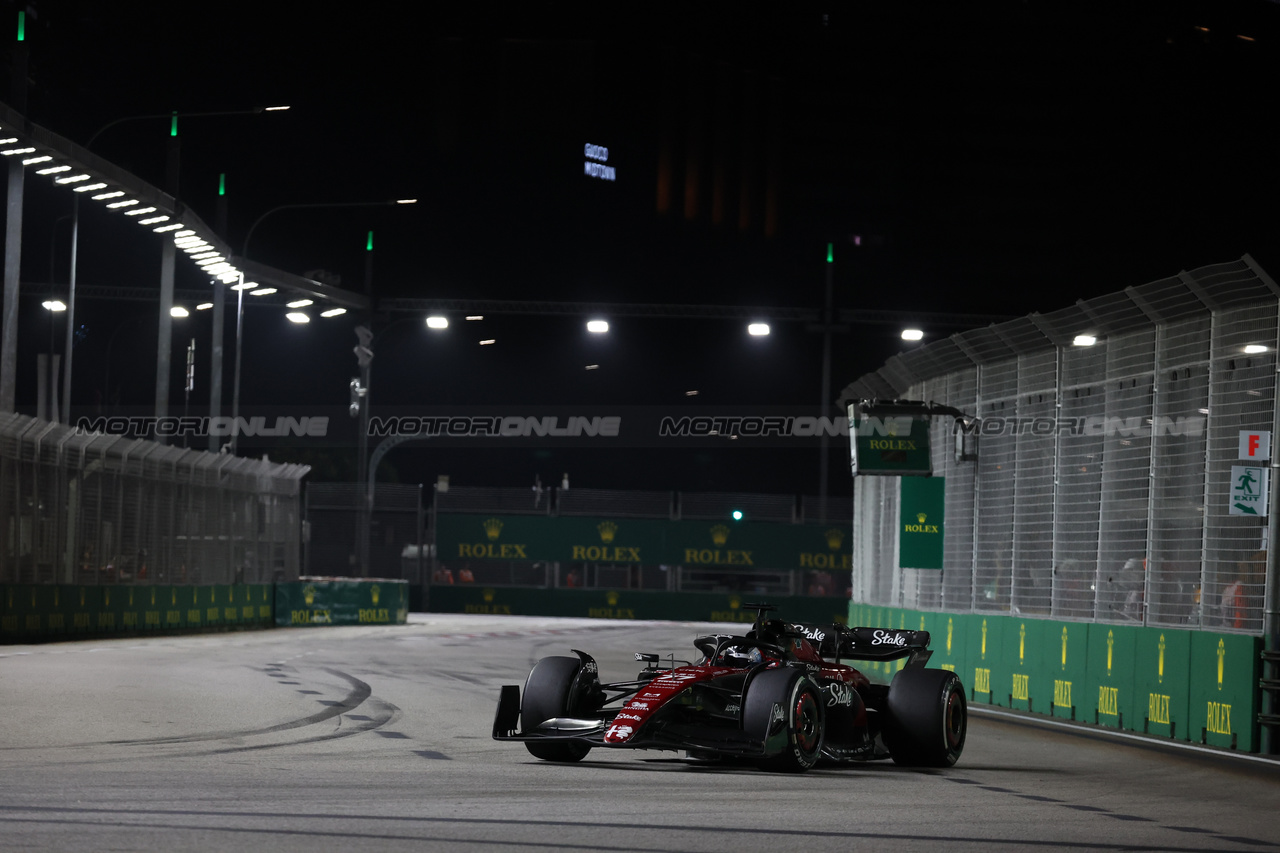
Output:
x,y
1255,446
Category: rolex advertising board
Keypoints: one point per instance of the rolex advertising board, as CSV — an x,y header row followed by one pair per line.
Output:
x,y
1023,648
1162,663
895,445
311,601
988,671
921,509
1061,674
1223,703
570,539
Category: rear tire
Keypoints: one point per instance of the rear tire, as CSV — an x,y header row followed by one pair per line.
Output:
x,y
926,718
546,695
798,735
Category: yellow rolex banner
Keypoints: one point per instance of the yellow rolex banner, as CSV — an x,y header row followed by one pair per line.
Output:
x,y
922,502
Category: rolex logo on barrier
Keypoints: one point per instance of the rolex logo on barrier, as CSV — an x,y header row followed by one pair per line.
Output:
x,y
309,594
728,557
607,552
611,610
1222,660
488,595
375,592
719,534
492,549
1064,646
920,517
1160,665
835,538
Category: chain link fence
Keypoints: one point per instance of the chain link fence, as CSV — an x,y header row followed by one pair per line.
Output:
x,y
86,508
397,522
1102,487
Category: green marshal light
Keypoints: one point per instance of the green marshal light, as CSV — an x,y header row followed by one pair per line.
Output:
x,y
22,26
368,246
831,253
222,183
173,124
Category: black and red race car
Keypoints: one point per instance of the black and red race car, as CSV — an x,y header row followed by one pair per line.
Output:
x,y
779,696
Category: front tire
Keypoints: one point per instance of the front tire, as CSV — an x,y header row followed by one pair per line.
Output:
x,y
784,708
547,695
927,718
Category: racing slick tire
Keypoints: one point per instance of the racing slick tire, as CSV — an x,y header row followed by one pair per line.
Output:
x,y
546,695
784,708
926,718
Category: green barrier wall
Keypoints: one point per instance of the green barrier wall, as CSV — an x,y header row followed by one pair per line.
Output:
x,y
341,601
1195,686
985,652
30,612
627,604
1225,669
1109,676
1162,680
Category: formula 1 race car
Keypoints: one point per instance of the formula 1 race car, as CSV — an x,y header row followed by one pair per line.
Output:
x,y
778,696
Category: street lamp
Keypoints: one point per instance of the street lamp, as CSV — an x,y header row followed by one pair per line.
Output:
x,y
244,254
166,274
47,405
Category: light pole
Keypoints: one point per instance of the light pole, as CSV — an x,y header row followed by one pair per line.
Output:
x,y
244,254
47,403
51,375
167,253
366,471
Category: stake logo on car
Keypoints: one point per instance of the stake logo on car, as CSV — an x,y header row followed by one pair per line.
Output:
x,y
884,638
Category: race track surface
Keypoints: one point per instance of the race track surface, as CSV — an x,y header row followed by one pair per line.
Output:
x,y
377,739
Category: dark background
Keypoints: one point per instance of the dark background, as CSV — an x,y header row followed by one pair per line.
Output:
x,y
982,159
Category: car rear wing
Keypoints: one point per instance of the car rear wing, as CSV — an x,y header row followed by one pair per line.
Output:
x,y
869,643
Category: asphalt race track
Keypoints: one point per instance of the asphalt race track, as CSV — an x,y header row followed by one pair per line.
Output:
x,y
377,739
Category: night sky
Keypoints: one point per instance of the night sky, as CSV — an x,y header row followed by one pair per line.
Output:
x,y
985,159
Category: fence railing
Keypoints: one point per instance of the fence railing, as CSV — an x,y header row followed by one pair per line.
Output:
x,y
85,508
1103,486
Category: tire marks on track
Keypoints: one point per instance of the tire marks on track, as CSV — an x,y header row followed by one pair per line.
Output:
x,y
358,696
1115,815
